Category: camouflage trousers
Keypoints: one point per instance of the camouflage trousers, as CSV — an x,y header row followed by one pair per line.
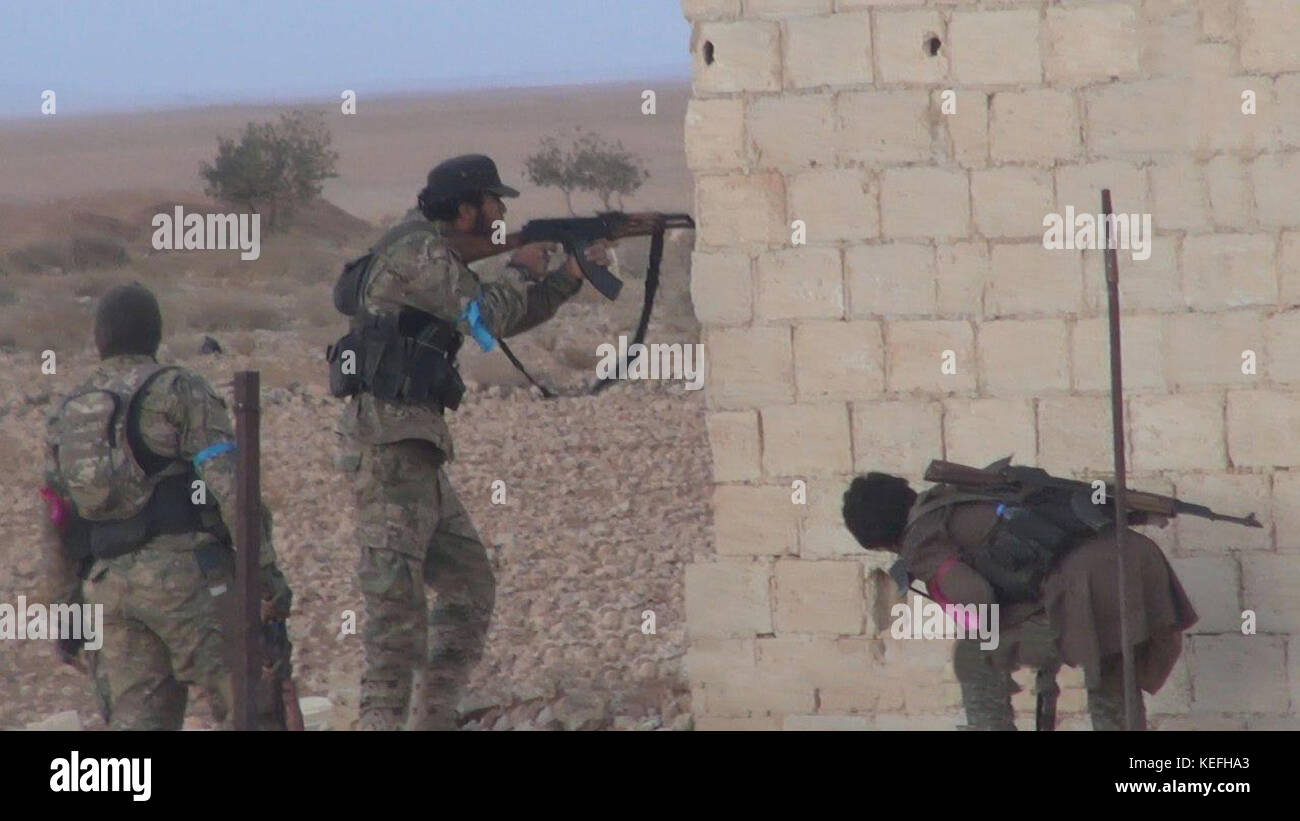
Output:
x,y
987,686
413,531
165,630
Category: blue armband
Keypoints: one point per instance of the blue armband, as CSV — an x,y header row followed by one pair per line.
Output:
x,y
474,319
212,452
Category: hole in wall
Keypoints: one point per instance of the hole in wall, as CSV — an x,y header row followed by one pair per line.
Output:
x,y
932,44
708,52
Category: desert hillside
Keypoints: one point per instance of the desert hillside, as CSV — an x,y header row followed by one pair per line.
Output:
x,y
606,496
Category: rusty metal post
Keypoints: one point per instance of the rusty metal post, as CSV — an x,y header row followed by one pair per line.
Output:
x,y
248,542
1131,695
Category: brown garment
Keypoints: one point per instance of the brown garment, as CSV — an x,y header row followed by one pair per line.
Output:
x,y
1080,595
1082,599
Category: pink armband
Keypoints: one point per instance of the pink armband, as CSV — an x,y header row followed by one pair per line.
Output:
x,y
56,508
949,607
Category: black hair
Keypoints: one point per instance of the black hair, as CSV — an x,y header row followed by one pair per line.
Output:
x,y
875,509
128,321
447,208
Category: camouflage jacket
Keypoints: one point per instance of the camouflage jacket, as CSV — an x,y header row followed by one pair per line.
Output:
x,y
179,416
417,269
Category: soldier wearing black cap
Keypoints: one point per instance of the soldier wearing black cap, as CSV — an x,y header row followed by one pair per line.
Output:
x,y
416,299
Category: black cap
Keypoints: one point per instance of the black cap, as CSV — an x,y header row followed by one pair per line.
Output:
x,y
463,175
128,321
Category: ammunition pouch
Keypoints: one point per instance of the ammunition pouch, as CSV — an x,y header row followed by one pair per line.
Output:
x,y
407,355
347,288
1033,531
1025,544
169,510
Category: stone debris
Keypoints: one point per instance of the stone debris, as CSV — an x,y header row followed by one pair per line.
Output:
x,y
607,499
68,720
317,713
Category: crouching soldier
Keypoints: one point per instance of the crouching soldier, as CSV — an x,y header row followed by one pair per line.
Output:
x,y
1053,577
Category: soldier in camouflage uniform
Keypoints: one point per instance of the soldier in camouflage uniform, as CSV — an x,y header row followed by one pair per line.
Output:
x,y
1074,620
413,530
159,563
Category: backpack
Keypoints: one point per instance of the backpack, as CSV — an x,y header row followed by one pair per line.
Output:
x,y
1033,530
98,450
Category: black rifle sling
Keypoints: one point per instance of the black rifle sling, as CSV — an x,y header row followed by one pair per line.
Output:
x,y
514,360
647,307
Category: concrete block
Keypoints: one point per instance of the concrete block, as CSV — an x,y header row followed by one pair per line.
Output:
x,y
903,49
1039,126
1024,357
806,440
835,204
734,444
996,47
896,436
828,51
749,367
1263,429
1180,432
804,282
722,288
732,56
978,431
924,202
936,357
715,134
728,598
754,521
819,597
894,279
838,360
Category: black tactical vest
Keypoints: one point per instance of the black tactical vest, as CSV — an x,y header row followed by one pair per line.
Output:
x,y
405,355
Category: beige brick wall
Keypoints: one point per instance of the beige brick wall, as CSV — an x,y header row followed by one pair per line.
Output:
x,y
918,145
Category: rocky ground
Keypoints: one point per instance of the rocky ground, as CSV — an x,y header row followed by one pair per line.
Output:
x,y
606,502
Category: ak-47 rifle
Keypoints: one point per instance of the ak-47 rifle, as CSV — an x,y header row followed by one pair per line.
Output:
x,y
576,234
1003,474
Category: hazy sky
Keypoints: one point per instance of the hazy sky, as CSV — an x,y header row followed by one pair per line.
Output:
x,y
123,54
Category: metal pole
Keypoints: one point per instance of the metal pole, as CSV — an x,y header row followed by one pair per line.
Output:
x,y
1121,492
248,542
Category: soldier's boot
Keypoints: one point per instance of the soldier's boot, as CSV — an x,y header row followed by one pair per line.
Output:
x,y
1046,691
465,593
393,638
985,688
1106,701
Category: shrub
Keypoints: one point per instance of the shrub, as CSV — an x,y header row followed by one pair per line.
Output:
x,y
274,168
